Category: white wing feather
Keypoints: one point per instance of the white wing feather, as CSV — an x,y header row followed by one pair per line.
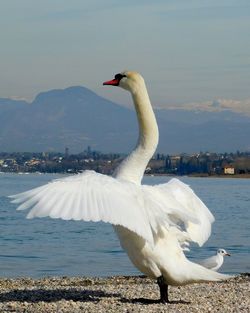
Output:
x,y
210,263
142,209
199,218
90,197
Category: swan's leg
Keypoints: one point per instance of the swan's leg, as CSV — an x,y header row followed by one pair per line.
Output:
x,y
163,289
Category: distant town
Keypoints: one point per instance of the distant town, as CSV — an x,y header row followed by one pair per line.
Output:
x,y
200,164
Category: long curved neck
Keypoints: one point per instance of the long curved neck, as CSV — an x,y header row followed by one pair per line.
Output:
x,y
133,166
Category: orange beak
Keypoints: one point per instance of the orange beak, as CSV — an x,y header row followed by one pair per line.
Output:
x,y
112,82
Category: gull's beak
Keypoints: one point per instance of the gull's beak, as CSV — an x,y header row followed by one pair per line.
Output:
x,y
112,82
228,254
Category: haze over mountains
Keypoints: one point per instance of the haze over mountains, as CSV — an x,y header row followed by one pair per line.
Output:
x,y
76,117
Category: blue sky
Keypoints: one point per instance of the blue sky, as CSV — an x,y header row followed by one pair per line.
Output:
x,y
189,51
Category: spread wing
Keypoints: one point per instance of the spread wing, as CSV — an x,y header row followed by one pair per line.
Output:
x,y
90,196
199,221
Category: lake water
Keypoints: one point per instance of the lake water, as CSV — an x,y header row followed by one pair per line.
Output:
x,y
42,247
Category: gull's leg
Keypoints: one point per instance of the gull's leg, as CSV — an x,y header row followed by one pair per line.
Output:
x,y
163,289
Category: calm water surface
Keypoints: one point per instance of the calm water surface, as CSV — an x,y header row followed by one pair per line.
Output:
x,y
43,247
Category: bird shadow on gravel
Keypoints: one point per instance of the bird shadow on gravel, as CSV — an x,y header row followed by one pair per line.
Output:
x,y
152,301
54,295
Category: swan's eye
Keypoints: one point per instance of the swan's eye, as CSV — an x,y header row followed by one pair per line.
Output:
x,y
119,76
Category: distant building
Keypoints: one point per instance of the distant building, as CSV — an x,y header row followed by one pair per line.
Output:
x,y
229,170
66,154
33,162
175,160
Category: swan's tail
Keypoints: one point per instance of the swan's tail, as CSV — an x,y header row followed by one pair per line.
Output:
x,y
202,274
189,273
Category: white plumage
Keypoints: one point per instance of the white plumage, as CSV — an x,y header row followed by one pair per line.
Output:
x,y
215,262
91,196
154,223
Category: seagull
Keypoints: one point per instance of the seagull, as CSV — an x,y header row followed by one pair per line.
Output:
x,y
216,261
153,223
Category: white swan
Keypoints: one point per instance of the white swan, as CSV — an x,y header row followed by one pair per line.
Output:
x,y
215,262
153,223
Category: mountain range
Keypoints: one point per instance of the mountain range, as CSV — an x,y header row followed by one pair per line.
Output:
x,y
76,117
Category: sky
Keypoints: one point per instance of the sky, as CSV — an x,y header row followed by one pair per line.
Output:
x,y
190,52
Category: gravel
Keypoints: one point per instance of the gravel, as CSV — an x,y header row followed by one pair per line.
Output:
x,y
120,294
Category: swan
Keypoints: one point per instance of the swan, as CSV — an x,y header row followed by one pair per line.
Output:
x,y
154,224
215,262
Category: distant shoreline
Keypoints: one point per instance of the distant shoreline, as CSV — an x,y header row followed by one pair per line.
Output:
x,y
199,175
222,176
203,175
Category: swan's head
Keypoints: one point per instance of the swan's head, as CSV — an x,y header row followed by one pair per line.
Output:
x,y
128,80
223,252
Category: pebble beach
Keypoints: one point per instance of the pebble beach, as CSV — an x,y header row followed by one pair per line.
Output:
x,y
120,294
